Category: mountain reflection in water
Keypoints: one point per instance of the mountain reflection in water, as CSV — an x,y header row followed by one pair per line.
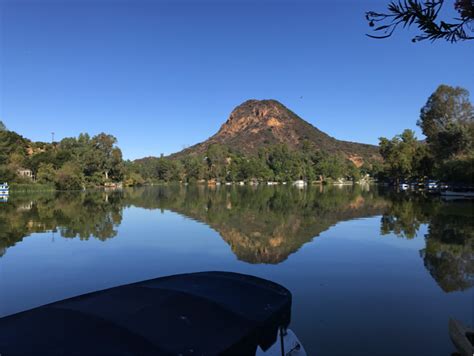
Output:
x,y
261,225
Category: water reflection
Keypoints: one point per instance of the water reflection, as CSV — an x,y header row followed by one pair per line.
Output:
x,y
261,225
449,251
264,225
83,215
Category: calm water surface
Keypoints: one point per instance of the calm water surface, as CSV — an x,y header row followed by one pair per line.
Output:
x,y
370,272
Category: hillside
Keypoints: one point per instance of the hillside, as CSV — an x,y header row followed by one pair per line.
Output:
x,y
72,163
259,123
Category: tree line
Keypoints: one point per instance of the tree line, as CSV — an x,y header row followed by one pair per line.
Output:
x,y
73,163
220,163
447,153
77,163
447,121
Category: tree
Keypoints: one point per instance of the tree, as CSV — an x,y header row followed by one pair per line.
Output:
x,y
69,177
216,157
425,14
2,126
46,173
7,174
282,162
447,121
453,140
133,179
398,154
132,175
194,167
108,156
38,159
177,172
332,167
459,170
11,143
353,172
423,161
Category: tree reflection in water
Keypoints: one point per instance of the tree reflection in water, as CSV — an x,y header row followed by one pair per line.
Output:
x,y
261,225
264,224
448,255
73,214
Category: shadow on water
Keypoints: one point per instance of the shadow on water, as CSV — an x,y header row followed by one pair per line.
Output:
x,y
261,225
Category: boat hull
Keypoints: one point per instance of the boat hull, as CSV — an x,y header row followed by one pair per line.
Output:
x,y
209,313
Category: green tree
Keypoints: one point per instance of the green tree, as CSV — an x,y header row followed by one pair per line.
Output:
x,y
398,154
353,172
331,167
36,160
12,143
133,179
69,177
177,171
2,126
131,174
283,163
459,170
108,156
7,174
194,168
447,120
164,169
46,173
217,161
423,162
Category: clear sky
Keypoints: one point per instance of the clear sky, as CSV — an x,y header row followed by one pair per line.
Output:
x,y
160,75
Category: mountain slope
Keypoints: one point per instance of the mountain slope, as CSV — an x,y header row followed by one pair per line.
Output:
x,y
258,123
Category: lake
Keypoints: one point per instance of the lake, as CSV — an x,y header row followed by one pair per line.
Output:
x,y
371,271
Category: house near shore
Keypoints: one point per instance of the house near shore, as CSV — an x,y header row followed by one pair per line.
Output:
x,y
26,173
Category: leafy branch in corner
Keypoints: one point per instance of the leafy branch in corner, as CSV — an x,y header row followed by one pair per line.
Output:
x,y
424,14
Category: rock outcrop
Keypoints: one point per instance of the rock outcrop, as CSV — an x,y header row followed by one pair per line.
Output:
x,y
259,123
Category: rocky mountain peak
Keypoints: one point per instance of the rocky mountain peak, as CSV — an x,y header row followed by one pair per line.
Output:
x,y
255,124
254,116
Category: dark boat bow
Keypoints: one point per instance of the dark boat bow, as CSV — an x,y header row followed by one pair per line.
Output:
x,y
204,313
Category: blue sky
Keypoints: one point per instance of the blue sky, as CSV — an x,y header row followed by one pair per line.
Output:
x,y
160,75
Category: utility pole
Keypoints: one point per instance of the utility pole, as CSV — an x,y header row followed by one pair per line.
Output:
x,y
52,137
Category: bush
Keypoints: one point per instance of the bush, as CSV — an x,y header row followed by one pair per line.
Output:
x,y
69,177
460,170
46,173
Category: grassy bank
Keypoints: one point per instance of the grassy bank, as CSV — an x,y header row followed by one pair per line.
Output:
x,y
31,187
